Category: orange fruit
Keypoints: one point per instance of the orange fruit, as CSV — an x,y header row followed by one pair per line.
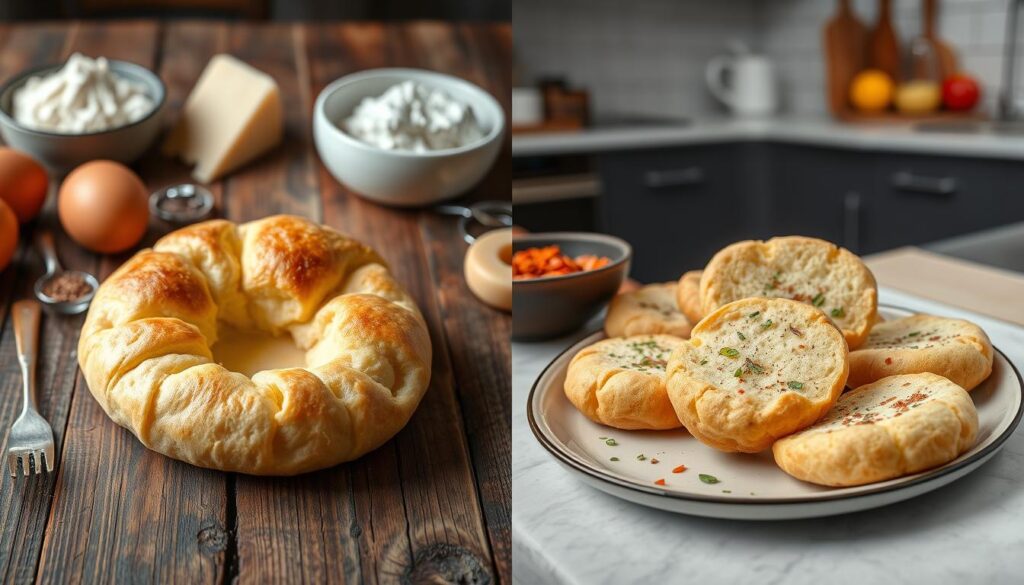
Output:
x,y
23,183
8,234
871,90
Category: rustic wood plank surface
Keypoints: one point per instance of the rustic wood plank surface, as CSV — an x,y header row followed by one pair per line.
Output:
x,y
432,505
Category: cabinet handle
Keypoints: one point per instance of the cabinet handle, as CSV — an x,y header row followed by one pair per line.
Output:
x,y
851,221
674,178
908,181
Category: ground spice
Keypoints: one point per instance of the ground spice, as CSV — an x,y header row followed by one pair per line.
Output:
x,y
67,286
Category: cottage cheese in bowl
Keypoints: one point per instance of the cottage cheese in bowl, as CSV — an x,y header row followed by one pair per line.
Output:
x,y
81,97
415,117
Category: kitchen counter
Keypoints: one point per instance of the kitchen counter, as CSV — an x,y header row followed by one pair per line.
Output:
x,y
792,130
567,532
433,503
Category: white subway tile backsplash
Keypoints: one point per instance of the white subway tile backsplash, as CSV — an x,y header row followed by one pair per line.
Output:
x,y
648,56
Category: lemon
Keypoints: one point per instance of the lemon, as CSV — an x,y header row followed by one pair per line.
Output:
x,y
871,90
918,97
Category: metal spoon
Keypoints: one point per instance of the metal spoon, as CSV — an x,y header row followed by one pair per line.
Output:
x,y
53,269
490,214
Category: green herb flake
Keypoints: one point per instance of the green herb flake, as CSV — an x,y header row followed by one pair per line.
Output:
x,y
767,324
753,366
795,385
741,336
729,352
738,372
708,479
614,459
726,491
641,457
838,312
913,334
611,442
702,362
818,300
754,314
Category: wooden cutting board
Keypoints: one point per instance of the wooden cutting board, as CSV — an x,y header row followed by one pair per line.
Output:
x,y
844,39
883,50
948,64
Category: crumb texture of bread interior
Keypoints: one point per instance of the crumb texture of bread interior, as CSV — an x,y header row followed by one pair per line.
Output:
x,y
620,382
755,370
953,348
887,429
803,269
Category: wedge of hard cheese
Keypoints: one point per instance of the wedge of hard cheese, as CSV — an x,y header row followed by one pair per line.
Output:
x,y
232,116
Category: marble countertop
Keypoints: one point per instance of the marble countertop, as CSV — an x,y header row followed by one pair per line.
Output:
x,y
820,131
971,531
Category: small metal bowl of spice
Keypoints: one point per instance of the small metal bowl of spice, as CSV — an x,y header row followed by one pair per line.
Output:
x,y
181,204
67,292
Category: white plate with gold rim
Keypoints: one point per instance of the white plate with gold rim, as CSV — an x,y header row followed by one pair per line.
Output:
x,y
740,486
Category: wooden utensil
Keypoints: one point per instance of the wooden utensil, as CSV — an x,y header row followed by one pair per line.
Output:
x,y
883,51
946,56
845,38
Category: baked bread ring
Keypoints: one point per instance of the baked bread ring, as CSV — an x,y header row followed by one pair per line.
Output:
x,y
620,382
803,269
953,348
648,310
756,370
889,428
145,347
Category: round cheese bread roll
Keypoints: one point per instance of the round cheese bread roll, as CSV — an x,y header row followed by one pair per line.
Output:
x,y
649,309
688,295
756,370
620,382
808,270
954,348
890,428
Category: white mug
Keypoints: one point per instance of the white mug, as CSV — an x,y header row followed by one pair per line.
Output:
x,y
750,89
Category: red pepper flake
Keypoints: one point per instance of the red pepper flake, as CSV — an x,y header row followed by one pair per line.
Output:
x,y
888,361
742,391
679,469
659,482
654,461
934,338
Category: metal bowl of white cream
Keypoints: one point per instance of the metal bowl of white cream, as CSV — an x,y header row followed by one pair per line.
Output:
x,y
61,150
367,140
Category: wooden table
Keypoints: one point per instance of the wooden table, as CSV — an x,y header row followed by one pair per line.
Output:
x,y
432,503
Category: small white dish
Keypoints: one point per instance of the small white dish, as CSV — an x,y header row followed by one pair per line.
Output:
x,y
403,178
750,487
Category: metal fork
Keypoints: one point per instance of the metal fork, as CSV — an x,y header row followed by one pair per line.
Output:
x,y
30,441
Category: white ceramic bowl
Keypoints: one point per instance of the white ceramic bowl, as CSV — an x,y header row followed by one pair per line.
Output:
x,y
399,177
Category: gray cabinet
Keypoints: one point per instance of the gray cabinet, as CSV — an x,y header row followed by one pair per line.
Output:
x,y
676,207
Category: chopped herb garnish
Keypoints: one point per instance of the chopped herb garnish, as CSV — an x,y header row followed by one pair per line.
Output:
x,y
753,366
726,491
729,352
741,336
709,479
754,314
614,459
738,372
838,312
818,300
602,438
913,333
796,331
641,457
702,362
611,442
766,324
795,385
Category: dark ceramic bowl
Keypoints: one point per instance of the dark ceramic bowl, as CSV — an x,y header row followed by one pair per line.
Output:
x,y
548,307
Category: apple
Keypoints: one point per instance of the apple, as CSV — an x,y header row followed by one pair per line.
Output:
x,y
960,92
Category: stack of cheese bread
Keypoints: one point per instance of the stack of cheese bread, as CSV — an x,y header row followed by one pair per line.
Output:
x,y
755,351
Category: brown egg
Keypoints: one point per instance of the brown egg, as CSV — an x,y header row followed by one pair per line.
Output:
x,y
23,183
103,206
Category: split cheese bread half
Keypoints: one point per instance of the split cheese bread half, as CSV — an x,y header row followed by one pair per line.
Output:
x,y
890,428
803,269
650,309
755,370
